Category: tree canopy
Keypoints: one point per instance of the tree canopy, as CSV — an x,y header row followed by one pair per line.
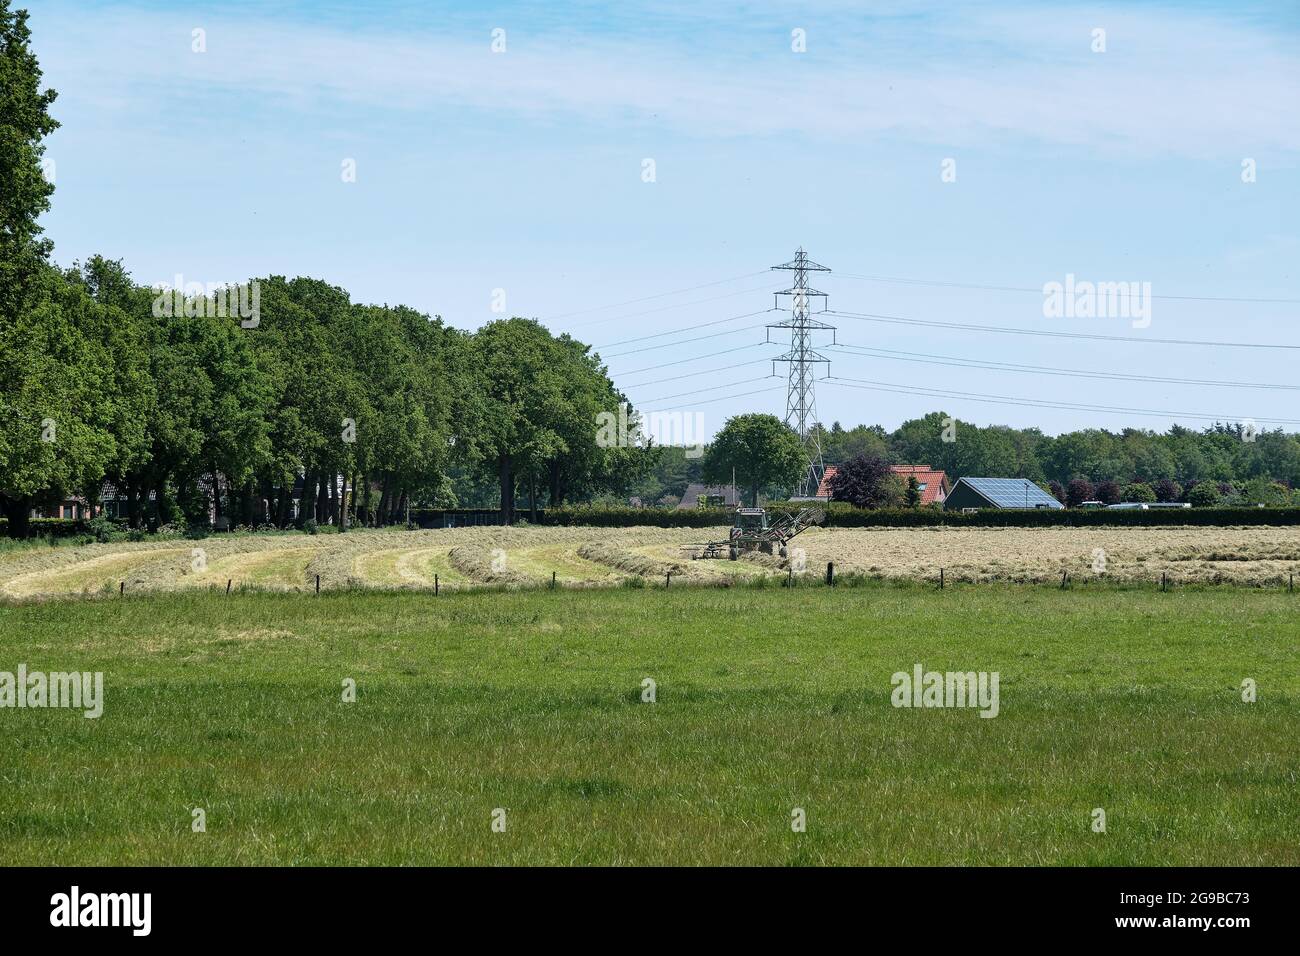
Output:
x,y
762,451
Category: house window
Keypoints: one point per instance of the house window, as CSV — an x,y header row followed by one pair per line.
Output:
x,y
921,486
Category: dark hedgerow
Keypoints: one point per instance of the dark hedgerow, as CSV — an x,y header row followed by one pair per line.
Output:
x,y
838,516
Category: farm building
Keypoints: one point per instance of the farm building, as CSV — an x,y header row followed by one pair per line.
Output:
x,y
998,493
697,495
932,483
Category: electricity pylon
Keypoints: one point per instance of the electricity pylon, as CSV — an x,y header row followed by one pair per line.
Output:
x,y
801,400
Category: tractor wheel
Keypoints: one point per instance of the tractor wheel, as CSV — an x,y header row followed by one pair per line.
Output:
x,y
733,553
767,547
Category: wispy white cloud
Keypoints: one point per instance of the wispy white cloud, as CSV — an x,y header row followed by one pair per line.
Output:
x,y
1185,85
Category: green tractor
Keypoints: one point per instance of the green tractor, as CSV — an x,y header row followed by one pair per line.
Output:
x,y
753,532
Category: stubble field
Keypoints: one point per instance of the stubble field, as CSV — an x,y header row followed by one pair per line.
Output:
x,y
464,558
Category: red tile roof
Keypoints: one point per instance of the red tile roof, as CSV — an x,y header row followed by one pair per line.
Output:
x,y
935,483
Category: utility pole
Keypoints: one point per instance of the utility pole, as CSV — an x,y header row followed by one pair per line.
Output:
x,y
801,401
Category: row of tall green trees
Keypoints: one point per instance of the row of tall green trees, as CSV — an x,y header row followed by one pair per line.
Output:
x,y
242,404
353,411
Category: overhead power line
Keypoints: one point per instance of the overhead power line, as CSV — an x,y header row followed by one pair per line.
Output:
x,y
657,295
697,338
696,358
958,362
675,305
711,388
1043,403
707,371
1039,291
1137,340
685,328
723,398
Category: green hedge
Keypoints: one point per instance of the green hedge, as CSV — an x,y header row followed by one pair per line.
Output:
x,y
50,527
843,516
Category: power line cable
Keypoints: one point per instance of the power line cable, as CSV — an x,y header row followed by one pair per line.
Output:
x,y
696,358
697,338
957,362
678,305
707,371
928,323
657,295
711,388
686,328
1039,291
1041,403
723,398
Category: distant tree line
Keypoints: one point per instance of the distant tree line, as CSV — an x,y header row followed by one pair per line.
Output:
x,y
1225,463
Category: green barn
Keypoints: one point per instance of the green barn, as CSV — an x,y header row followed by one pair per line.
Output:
x,y
998,493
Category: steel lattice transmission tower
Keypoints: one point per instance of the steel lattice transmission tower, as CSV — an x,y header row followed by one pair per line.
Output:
x,y
801,400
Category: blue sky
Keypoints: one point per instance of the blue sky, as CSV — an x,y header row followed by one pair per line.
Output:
x,y
522,171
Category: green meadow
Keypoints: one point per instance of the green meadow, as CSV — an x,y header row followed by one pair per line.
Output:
x,y
767,701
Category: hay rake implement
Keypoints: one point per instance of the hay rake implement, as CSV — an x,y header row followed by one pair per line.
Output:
x,y
752,532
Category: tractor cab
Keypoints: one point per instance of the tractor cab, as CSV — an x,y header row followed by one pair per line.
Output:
x,y
752,532
750,520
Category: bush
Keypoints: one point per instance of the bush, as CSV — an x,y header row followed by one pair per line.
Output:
x,y
1139,491
1108,492
1261,491
50,527
1168,490
1204,495
866,481
1078,491
102,528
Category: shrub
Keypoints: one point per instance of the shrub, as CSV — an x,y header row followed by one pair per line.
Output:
x,y
1079,491
1139,491
102,528
1168,490
1261,491
1204,495
866,481
912,497
1108,492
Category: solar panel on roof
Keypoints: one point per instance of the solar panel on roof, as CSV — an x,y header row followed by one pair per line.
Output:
x,y
1013,492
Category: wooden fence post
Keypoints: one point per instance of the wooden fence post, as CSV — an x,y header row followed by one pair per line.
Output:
x,y
830,573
